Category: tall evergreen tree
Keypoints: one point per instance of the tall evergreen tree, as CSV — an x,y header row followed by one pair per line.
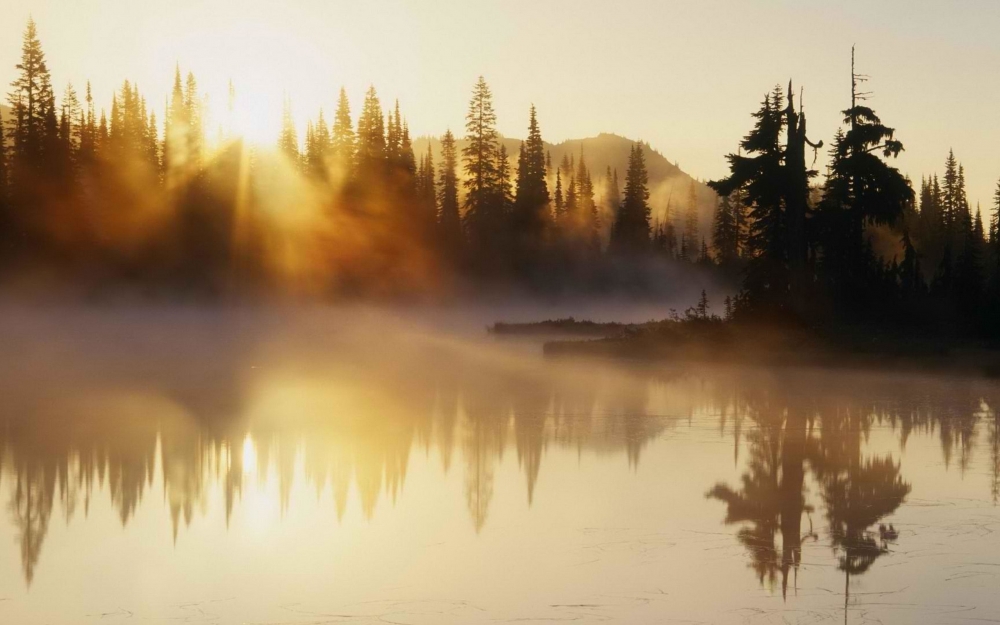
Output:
x,y
631,232
88,128
175,133
195,117
725,235
861,190
760,177
450,220
950,197
408,161
969,272
504,189
587,218
426,187
319,148
532,194
571,209
370,154
33,125
483,206
559,203
394,138
342,140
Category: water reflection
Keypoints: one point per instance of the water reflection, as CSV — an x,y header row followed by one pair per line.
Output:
x,y
813,428
343,416
116,423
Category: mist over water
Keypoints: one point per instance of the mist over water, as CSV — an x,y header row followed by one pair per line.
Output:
x,y
306,465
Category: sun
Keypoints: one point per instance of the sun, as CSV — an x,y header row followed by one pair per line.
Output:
x,y
255,119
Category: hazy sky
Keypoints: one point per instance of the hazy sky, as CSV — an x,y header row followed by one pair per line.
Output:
x,y
684,76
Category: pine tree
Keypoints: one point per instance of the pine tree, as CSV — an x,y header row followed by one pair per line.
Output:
x,y
408,160
631,231
565,166
310,157
449,219
33,127
532,194
950,197
69,133
963,217
504,190
194,114
175,133
725,236
570,211
483,208
969,279
587,220
88,129
102,134
370,154
861,190
701,309
426,188
559,202
760,177
319,148
704,257
152,153
342,141
393,137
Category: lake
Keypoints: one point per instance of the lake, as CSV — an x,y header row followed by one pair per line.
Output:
x,y
360,466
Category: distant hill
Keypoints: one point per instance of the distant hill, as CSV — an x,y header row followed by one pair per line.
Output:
x,y
667,182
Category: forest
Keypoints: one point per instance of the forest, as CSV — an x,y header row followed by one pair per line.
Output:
x,y
97,200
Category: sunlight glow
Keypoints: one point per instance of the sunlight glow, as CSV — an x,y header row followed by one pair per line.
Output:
x,y
249,456
255,119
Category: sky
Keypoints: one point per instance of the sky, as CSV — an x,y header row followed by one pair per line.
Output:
x,y
682,75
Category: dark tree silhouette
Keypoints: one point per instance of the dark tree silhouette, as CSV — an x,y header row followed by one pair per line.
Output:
x,y
761,179
485,188
630,232
531,203
861,190
449,219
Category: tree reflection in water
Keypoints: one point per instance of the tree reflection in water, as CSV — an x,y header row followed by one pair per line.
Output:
x,y
356,424
812,428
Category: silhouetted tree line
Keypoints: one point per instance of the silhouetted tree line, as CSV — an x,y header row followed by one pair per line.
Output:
x,y
862,248
115,198
105,199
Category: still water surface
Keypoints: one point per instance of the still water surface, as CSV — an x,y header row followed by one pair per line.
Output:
x,y
243,467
